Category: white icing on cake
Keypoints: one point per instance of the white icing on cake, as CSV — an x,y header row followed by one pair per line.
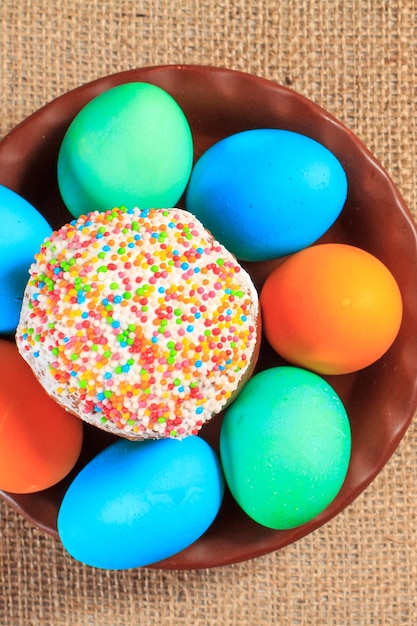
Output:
x,y
139,321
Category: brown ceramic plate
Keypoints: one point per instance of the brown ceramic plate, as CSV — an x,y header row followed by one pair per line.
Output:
x,y
380,400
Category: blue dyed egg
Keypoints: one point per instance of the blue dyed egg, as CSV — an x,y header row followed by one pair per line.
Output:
x,y
22,231
137,503
267,193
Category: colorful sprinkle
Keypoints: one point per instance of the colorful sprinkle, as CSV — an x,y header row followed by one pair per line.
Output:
x,y
138,321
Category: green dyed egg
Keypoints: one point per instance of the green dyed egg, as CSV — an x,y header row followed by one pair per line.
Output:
x,y
130,145
285,446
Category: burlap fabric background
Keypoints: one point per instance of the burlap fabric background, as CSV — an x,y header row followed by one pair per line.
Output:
x,y
357,58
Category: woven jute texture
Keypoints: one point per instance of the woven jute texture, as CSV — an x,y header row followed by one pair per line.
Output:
x,y
358,59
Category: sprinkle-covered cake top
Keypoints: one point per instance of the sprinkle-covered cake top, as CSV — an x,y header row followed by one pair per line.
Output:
x,y
138,321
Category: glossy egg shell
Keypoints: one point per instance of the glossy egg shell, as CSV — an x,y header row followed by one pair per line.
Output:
x,y
130,145
332,308
22,231
137,503
266,193
39,441
285,446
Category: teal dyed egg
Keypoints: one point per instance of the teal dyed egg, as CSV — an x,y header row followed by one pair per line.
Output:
x,y
137,503
131,145
22,231
285,447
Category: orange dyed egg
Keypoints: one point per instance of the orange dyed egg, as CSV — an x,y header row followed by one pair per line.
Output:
x,y
331,308
40,442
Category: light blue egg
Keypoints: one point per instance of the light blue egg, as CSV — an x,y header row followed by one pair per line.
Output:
x,y
267,193
137,503
22,231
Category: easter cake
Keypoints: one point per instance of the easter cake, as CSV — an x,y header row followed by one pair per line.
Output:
x,y
139,322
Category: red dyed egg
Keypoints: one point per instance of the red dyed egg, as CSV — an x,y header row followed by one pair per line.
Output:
x,y
40,442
